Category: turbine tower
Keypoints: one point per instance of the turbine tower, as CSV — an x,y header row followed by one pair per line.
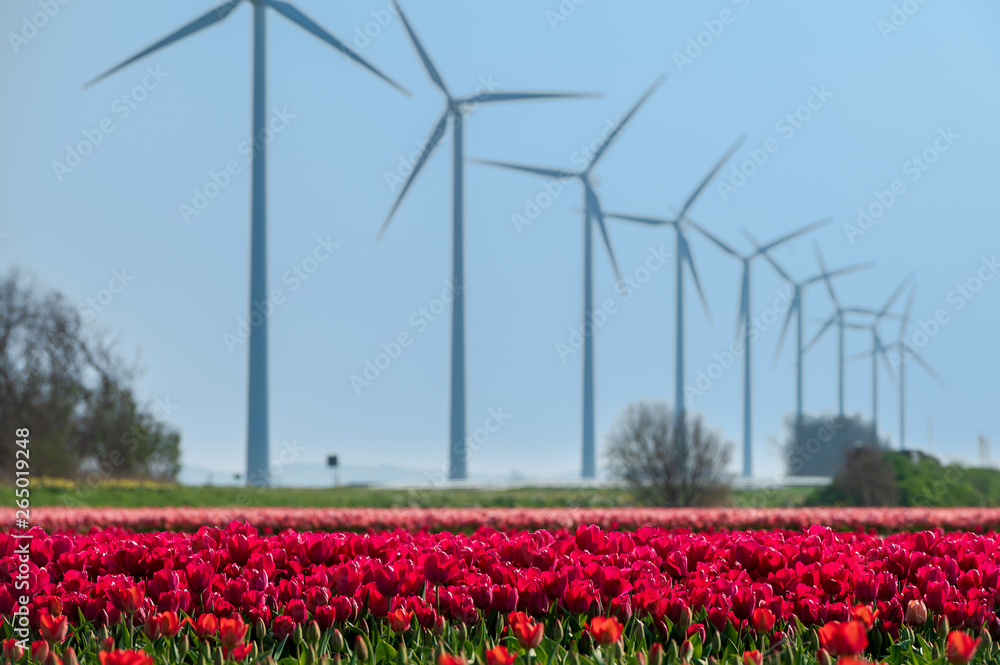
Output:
x,y
456,109
682,256
744,317
838,318
904,353
258,456
878,348
592,214
797,309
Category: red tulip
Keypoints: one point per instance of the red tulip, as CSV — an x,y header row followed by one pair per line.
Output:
x,y
232,631
961,647
762,620
449,659
399,620
844,638
125,657
206,625
865,615
12,651
238,653
53,628
500,656
529,635
605,630
40,650
132,599
753,658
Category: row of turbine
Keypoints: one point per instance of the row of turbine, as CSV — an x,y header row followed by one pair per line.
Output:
x,y
593,216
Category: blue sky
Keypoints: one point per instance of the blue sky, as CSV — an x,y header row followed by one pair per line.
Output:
x,y
887,95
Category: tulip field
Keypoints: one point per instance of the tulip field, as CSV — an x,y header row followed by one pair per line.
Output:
x,y
494,587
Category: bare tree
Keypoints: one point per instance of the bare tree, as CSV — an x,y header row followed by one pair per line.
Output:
x,y
68,386
645,452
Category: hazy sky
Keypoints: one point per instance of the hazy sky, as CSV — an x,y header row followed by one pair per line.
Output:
x,y
884,87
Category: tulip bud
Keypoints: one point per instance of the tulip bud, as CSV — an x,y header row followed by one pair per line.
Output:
x,y
363,627
402,658
313,634
297,634
943,627
987,640
55,606
716,642
463,632
69,657
103,633
686,651
217,657
439,626
586,644
361,649
52,659
107,643
656,654
206,650
311,655
260,628
619,651
916,613
823,657
337,641
686,619
596,609
499,625
574,658
324,660
673,651
557,632
183,644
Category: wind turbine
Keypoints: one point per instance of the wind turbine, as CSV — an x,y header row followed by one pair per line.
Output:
x,y
258,457
745,317
456,108
681,257
797,309
838,318
592,213
878,348
905,353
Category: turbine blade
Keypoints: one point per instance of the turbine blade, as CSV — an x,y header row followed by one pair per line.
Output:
x,y
598,214
884,352
693,197
294,15
639,219
795,234
859,356
536,170
825,274
432,143
743,318
923,363
907,310
603,147
687,257
895,294
847,270
205,20
424,57
713,238
778,269
796,303
816,337
494,97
